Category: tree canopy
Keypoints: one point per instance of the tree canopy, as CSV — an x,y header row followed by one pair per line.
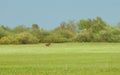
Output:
x,y
85,30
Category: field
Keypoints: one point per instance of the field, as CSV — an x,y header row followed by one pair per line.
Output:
x,y
60,59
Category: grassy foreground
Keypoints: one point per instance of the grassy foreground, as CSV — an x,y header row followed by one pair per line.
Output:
x,y
60,59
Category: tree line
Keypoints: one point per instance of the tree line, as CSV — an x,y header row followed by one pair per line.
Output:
x,y
85,30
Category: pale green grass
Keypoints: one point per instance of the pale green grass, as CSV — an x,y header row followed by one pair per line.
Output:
x,y
60,59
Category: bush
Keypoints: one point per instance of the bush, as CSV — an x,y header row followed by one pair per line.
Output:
x,y
84,36
2,32
110,35
5,40
64,33
26,38
14,39
55,38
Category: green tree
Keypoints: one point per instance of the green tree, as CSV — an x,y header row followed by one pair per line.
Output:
x,y
65,33
84,36
27,38
2,32
20,28
95,25
5,40
89,29
71,26
35,26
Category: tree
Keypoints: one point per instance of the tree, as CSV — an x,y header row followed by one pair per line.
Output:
x,y
5,40
89,29
98,25
84,24
95,25
55,38
20,28
2,32
35,26
84,36
68,26
27,38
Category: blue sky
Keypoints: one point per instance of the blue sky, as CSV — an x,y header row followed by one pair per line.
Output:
x,y
50,13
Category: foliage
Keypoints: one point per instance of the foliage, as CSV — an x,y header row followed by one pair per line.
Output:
x,y
96,30
35,26
5,40
84,36
2,32
20,28
111,34
95,25
89,30
56,38
27,38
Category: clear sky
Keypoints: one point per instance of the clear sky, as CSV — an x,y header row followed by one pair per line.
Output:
x,y
50,13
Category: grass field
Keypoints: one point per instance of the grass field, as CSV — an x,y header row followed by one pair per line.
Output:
x,y
60,59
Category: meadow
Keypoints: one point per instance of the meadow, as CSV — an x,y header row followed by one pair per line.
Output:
x,y
60,59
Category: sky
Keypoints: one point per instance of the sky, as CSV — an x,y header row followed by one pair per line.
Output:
x,y
48,14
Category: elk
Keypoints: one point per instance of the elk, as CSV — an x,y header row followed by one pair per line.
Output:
x,y
48,44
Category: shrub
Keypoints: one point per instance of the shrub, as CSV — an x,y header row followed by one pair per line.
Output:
x,y
55,38
5,40
2,32
110,34
64,34
84,36
26,38
14,39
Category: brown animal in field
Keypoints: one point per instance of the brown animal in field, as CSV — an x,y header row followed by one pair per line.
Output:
x,y
48,44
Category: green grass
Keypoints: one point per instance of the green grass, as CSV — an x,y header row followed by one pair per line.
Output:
x,y
60,59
